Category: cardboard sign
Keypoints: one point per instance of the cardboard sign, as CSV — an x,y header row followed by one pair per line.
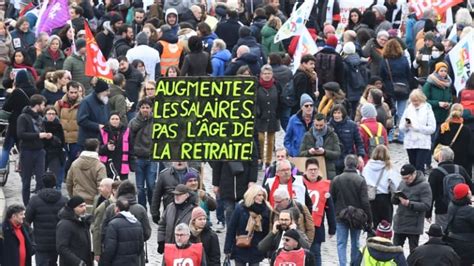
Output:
x,y
299,162
204,119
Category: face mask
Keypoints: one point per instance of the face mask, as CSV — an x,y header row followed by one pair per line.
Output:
x,y
435,54
104,99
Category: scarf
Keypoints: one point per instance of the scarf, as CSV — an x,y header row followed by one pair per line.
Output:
x,y
319,136
445,126
325,105
254,223
310,74
276,184
29,68
195,231
266,84
440,82
54,55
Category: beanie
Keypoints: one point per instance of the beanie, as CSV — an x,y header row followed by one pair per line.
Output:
x,y
392,33
439,65
197,212
293,234
349,48
407,169
80,43
114,18
368,111
460,191
75,201
381,9
305,98
331,41
101,86
142,38
189,175
328,28
384,229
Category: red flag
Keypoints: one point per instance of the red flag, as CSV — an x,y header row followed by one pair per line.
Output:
x,y
439,6
96,66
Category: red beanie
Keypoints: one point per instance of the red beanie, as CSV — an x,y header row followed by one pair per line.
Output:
x,y
384,229
460,191
331,41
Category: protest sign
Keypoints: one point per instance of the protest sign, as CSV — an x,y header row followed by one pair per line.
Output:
x,y
204,118
461,57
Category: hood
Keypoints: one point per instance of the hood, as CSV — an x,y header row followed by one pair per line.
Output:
x,y
223,55
375,165
50,86
382,249
108,27
115,90
128,216
88,158
250,41
210,37
121,41
171,11
268,31
131,198
49,195
353,59
249,58
28,110
170,36
420,177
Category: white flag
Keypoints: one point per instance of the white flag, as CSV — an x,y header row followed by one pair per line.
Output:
x,y
306,45
296,22
461,57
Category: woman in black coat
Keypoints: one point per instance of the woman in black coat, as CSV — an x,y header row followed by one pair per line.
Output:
x,y
202,233
54,147
196,62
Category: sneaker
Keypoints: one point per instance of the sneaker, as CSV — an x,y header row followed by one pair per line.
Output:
x,y
219,227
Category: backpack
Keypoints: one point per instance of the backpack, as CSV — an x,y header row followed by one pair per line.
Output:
x,y
325,67
374,140
449,182
356,80
288,95
256,50
467,100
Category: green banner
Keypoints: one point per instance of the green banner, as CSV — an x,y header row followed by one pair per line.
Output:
x,y
204,119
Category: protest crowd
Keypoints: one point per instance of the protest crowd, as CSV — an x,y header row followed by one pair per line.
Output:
x,y
342,80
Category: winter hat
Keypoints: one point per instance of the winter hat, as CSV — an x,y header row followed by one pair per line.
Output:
x,y
328,28
407,169
381,9
392,33
331,86
349,48
114,18
368,111
198,212
142,38
332,41
190,175
180,190
435,230
293,234
54,37
305,98
75,201
439,65
101,86
460,191
80,43
384,229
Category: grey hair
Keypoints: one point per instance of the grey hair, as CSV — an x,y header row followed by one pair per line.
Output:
x,y
281,193
280,163
383,33
220,44
54,37
266,68
182,227
446,154
351,161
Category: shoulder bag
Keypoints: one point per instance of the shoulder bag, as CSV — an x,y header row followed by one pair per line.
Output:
x,y
372,190
399,88
438,147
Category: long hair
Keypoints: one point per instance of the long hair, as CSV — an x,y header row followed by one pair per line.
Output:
x,y
381,153
252,192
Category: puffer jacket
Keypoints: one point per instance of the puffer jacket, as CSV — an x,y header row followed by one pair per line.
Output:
x,y
269,46
381,250
410,219
45,61
84,176
51,92
294,133
423,124
461,229
210,243
76,65
92,112
332,149
117,103
42,211
73,241
67,113
282,74
434,95
140,136
219,60
123,241
348,134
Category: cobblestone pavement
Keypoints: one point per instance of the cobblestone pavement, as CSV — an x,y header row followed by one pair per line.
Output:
x,y
328,250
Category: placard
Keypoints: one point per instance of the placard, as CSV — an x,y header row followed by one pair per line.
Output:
x,y
204,119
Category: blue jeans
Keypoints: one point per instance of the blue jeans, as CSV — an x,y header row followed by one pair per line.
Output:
x,y
220,209
32,163
55,166
400,106
342,233
285,116
145,172
7,146
46,258
316,250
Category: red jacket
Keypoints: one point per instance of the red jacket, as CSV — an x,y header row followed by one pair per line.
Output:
x,y
372,124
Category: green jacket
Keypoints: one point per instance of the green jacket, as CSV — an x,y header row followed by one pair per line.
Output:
x,y
268,34
332,149
76,65
118,103
434,95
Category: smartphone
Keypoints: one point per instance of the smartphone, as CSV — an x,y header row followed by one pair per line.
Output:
x,y
400,194
407,120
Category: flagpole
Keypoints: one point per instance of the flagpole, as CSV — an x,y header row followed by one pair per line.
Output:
x,y
40,15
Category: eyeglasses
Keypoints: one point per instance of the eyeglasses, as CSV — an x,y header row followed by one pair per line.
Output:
x,y
308,105
50,113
